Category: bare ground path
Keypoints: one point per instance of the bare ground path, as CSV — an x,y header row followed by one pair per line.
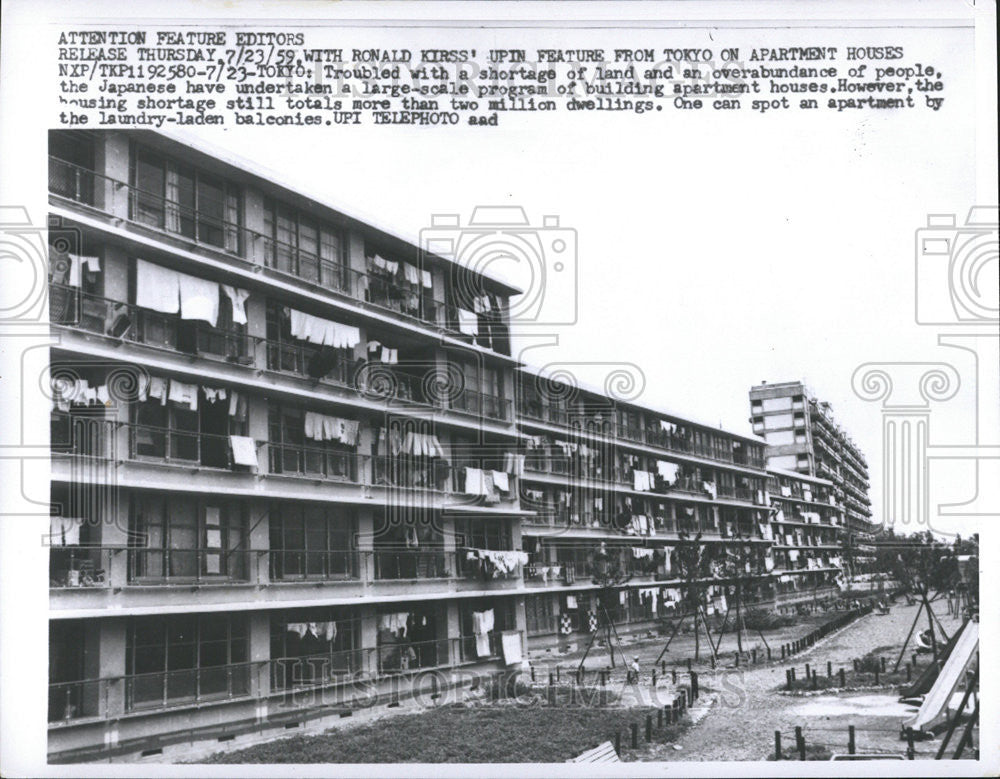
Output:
x,y
742,728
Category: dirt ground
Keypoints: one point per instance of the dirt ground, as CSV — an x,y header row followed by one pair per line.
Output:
x,y
746,706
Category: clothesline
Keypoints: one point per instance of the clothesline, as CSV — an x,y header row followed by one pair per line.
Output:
x,y
171,292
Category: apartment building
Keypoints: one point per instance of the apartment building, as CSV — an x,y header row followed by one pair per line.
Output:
x,y
807,524
617,489
803,436
284,453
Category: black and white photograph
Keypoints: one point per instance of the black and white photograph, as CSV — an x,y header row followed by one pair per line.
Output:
x,y
516,388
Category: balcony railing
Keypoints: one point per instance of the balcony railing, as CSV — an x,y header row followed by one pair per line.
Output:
x,y
80,567
316,462
70,701
187,566
211,229
407,564
189,686
180,447
71,307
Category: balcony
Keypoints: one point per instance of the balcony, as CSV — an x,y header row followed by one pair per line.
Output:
x,y
70,307
210,230
92,699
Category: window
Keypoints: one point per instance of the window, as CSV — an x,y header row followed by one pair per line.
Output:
x,y
71,166
172,197
476,533
185,658
312,542
287,353
540,614
188,539
300,245
314,645
292,453
474,645
408,637
483,393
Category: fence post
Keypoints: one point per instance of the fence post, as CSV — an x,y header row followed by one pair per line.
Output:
x,y
769,654
814,679
910,754
850,740
618,742
649,728
654,677
883,664
909,672
843,682
876,676
800,741
694,685
793,673
673,675
635,735
807,671
777,745
668,714
659,718
829,669
532,673
788,678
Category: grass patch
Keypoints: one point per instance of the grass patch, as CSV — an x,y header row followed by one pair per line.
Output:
x,y
459,734
813,752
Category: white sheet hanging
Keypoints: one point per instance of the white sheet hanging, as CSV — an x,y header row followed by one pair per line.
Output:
x,y
157,288
199,299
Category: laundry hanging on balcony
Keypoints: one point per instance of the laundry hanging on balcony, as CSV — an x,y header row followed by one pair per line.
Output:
x,y
468,322
497,564
64,531
423,445
320,427
377,352
237,298
67,268
244,450
642,481
710,488
500,481
317,330
394,622
482,624
510,643
513,463
77,392
183,393
667,471
385,266
667,427
642,553
324,631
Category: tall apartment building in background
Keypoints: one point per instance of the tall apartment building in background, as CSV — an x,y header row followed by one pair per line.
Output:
x,y
802,436
295,467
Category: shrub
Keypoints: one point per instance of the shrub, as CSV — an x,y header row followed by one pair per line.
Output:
x,y
759,619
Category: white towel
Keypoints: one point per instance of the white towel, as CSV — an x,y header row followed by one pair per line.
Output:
x,y
244,450
199,299
156,288
181,392
667,471
425,277
511,645
468,322
500,480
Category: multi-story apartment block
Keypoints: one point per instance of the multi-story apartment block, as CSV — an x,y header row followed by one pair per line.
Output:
x,y
284,452
802,436
617,485
807,525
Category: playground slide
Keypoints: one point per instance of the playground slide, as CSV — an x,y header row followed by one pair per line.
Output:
x,y
926,679
933,711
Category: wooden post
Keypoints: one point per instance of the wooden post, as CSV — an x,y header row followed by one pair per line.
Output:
x,y
793,673
635,735
753,656
558,676
782,651
737,656
769,654
800,741
659,718
668,714
777,745
618,742
649,728
876,675
914,658
814,679
807,670
673,675
851,745
843,682
883,664
829,669
532,673
689,664
663,667
694,685
910,754
788,678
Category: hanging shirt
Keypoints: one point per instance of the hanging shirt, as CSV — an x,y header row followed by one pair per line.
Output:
x,y
237,297
244,450
468,322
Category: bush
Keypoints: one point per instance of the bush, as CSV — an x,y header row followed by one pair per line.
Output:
x,y
759,619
